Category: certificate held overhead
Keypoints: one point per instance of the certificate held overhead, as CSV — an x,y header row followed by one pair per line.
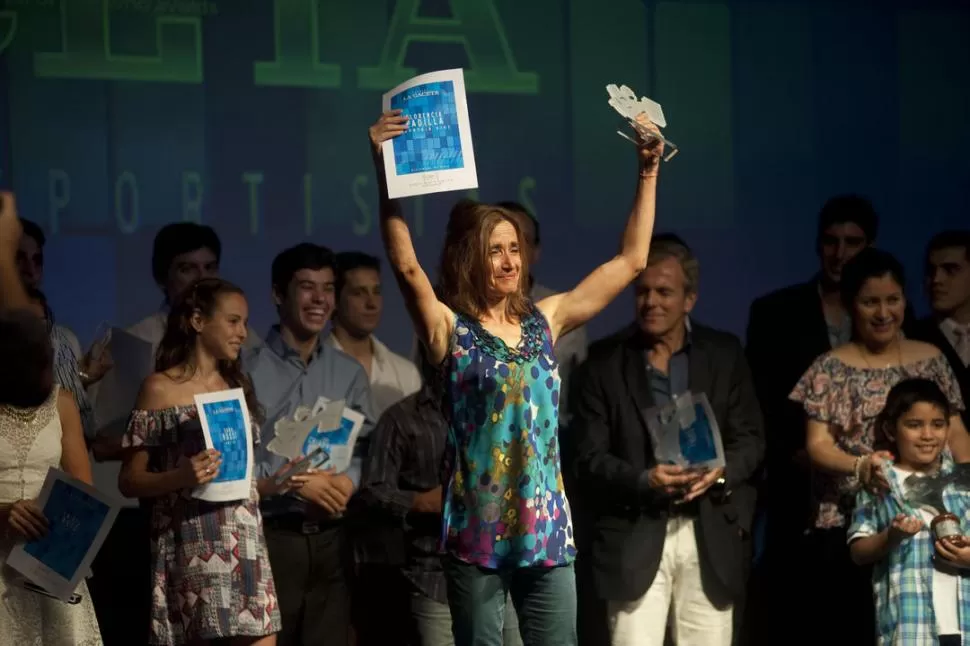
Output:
x,y
434,154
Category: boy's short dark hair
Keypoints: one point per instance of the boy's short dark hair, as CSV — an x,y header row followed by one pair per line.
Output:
x,y
853,208
305,255
177,238
952,239
350,260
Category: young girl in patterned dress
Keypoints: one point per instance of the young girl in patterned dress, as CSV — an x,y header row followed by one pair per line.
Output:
x,y
507,526
212,579
921,596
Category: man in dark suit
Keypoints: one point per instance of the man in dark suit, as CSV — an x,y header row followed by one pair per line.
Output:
x,y
948,284
787,330
662,533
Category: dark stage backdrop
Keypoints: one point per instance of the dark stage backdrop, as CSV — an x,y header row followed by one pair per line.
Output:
x,y
117,116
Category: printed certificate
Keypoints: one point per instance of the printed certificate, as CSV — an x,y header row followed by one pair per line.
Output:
x,y
79,518
435,155
227,428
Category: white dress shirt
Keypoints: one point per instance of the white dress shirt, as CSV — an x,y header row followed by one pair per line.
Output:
x,y
392,377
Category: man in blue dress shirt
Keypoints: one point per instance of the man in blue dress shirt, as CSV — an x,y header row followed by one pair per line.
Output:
x,y
306,537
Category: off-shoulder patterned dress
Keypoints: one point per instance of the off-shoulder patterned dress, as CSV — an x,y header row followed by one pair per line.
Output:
x,y
211,575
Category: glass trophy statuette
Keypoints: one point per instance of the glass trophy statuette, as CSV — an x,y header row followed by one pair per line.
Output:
x,y
625,102
926,492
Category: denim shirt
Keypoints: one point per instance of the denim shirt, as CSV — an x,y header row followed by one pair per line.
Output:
x,y
283,382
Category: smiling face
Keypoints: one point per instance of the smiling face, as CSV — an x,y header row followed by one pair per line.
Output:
x,y
921,434
504,260
223,332
308,302
662,300
879,308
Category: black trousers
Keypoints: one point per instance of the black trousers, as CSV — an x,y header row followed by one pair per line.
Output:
x,y
311,571
836,589
121,585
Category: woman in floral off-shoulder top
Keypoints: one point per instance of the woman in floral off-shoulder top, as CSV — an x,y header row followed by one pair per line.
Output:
x,y
842,393
211,575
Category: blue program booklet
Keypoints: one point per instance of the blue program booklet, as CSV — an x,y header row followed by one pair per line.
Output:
x,y
79,519
685,432
432,141
227,428
435,153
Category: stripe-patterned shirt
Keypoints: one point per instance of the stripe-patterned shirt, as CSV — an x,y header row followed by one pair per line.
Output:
x,y
405,458
67,374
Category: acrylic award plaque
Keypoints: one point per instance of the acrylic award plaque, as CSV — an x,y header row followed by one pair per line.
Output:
x,y
625,102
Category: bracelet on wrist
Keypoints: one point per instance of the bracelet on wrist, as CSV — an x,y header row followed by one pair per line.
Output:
x,y
862,466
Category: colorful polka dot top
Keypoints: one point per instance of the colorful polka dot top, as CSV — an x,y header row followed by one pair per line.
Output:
x,y
505,505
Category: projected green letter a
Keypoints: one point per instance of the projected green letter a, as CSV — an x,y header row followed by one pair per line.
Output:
x,y
475,24
85,29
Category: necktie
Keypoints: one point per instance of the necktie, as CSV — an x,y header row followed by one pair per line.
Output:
x,y
962,345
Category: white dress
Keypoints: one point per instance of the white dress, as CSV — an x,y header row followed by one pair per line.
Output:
x,y
28,448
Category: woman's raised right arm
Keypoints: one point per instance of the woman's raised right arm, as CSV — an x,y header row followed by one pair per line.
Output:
x,y
432,319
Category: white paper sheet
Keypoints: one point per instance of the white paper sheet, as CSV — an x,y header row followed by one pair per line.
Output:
x,y
79,518
134,361
435,155
227,427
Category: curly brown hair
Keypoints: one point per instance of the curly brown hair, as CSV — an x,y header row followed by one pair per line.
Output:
x,y
177,345
464,269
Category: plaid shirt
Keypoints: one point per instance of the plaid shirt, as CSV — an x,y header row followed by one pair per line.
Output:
x,y
903,581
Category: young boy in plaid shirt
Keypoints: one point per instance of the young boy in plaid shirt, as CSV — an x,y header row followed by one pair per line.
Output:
x,y
922,592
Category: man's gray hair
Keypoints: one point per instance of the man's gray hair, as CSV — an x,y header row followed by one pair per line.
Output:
x,y
668,245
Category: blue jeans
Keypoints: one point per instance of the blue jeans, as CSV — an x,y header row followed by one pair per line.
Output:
x,y
544,600
433,622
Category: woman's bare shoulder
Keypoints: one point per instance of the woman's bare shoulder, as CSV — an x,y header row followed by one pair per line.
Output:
x,y
161,390
918,351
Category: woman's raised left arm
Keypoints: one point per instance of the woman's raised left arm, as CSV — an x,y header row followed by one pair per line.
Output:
x,y
569,310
